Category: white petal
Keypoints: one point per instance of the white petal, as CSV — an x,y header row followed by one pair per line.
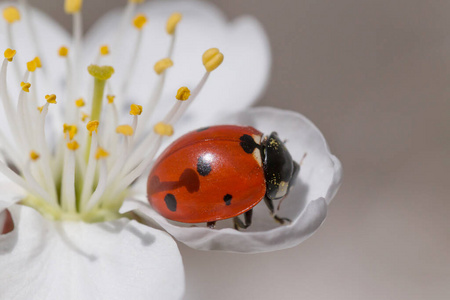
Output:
x,y
236,84
121,259
306,205
10,193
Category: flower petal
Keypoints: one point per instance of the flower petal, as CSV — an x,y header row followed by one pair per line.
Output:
x,y
236,84
11,193
306,205
120,259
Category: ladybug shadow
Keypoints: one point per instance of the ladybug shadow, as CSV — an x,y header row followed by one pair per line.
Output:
x,y
146,238
188,179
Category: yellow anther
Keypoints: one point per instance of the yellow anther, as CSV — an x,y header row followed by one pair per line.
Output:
x,y
31,65
172,22
110,98
101,72
63,51
84,116
11,14
135,109
9,54
71,130
34,155
183,93
162,65
92,126
80,102
72,6
136,1
73,145
25,86
37,60
162,128
104,50
101,153
51,98
40,108
125,130
212,58
139,21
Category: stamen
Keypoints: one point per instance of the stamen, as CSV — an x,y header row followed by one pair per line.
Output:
x,y
101,186
37,60
51,98
92,126
183,93
70,130
104,50
101,153
73,145
68,178
139,21
72,6
212,58
172,22
126,130
162,65
11,14
162,128
63,51
7,103
31,65
25,86
45,160
84,116
34,155
28,18
110,98
126,16
80,102
90,169
9,54
135,109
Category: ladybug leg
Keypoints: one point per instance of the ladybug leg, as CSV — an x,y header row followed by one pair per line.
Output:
x,y
280,220
211,224
248,220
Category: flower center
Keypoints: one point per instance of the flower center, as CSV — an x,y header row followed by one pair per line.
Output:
x,y
87,169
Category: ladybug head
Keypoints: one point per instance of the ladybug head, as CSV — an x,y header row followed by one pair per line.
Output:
x,y
279,168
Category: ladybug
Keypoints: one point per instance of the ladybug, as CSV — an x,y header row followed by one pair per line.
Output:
x,y
221,172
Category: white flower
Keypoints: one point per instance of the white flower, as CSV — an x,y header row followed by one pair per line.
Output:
x,y
74,219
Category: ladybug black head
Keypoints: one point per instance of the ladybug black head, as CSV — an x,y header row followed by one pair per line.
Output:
x,y
279,168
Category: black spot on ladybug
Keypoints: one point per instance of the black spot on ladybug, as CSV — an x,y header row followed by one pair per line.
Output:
x,y
171,202
203,166
202,129
190,180
248,143
227,199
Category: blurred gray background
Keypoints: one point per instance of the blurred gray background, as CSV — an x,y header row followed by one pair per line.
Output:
x,y
374,76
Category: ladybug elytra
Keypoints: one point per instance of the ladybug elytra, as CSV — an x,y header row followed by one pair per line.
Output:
x,y
220,172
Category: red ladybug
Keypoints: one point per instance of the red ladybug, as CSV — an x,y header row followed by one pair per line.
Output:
x,y
220,172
